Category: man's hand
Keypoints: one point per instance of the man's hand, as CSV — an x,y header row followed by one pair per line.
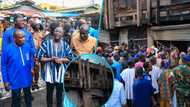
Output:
x,y
7,86
65,60
58,61
54,58
48,59
36,62
61,60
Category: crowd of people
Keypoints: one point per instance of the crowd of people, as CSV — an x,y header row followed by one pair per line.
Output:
x,y
30,48
151,77
144,77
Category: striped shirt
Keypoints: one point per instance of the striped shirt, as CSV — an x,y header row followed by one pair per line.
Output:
x,y
54,73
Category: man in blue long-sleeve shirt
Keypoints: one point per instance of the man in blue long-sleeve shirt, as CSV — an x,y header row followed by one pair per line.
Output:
x,y
17,63
8,34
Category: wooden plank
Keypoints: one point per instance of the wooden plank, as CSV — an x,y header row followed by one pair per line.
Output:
x,y
139,12
87,99
149,11
171,27
111,14
84,75
101,72
80,74
157,11
88,75
106,16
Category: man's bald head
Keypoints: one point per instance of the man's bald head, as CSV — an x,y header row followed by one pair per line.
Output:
x,y
84,32
82,21
18,32
84,27
19,37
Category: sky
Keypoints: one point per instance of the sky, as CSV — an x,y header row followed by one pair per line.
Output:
x,y
67,3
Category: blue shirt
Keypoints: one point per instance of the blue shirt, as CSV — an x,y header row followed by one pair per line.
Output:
x,y
94,33
117,66
17,62
8,38
142,92
147,76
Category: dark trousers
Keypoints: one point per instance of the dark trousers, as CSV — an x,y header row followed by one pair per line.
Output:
x,y
16,98
59,94
129,103
157,99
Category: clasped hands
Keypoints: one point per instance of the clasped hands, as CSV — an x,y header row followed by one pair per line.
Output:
x,y
60,60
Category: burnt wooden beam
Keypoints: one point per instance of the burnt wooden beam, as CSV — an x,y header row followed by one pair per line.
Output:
x,y
171,27
149,11
139,12
106,16
111,14
84,76
157,11
88,75
101,70
80,74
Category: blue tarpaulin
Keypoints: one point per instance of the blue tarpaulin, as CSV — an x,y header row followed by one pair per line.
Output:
x,y
70,14
60,14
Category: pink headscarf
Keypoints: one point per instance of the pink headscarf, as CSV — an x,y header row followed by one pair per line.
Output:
x,y
139,64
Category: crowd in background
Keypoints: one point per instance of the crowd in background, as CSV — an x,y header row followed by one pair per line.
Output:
x,y
45,48
145,77
151,77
